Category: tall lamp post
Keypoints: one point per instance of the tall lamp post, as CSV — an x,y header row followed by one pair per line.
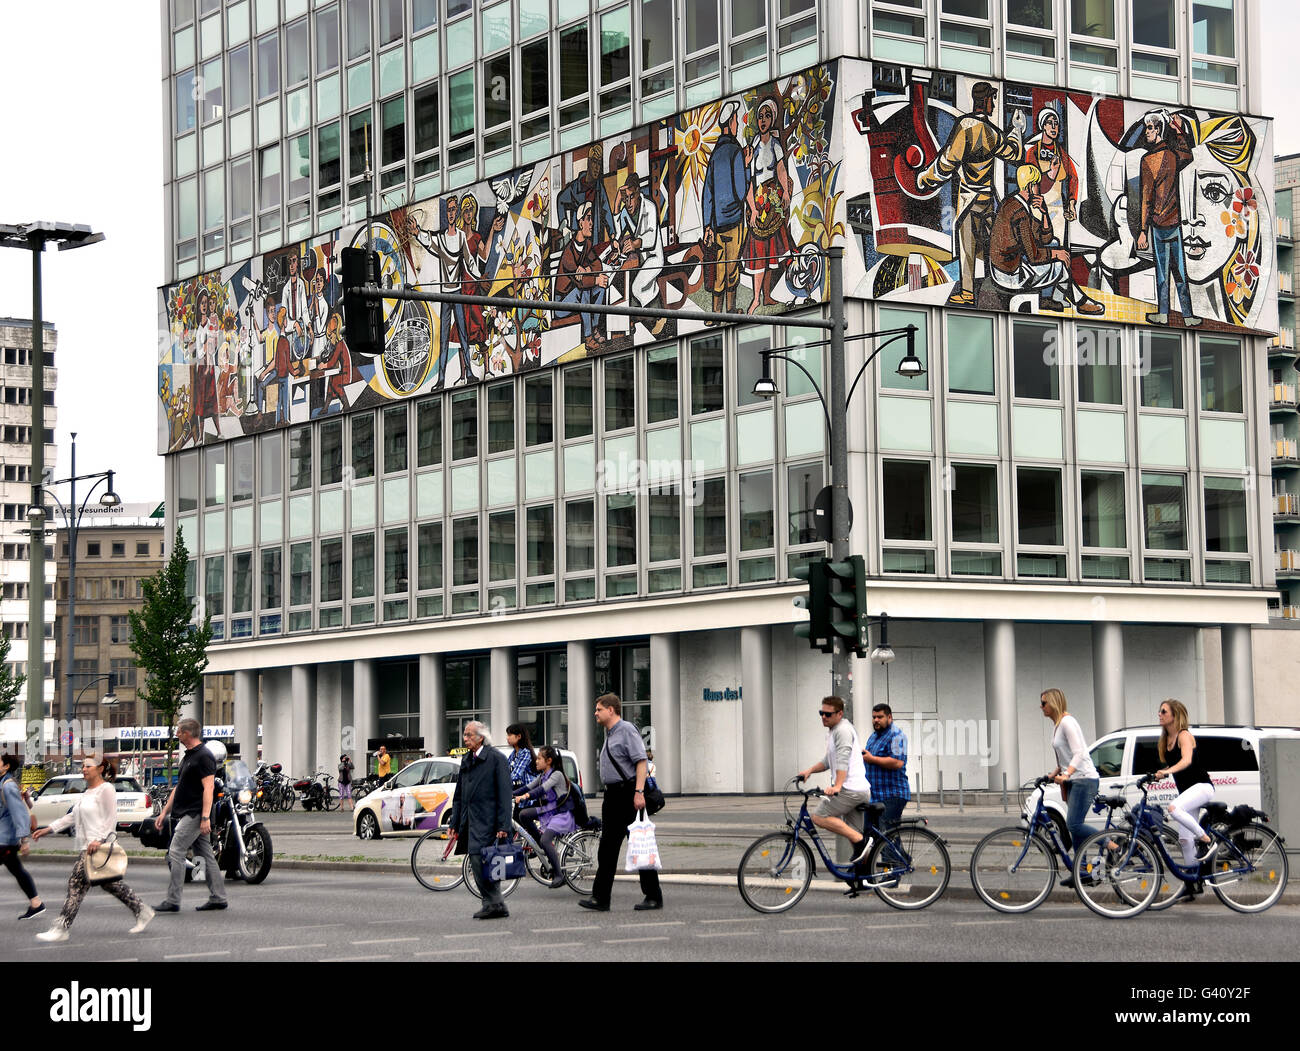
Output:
x,y
72,514
33,237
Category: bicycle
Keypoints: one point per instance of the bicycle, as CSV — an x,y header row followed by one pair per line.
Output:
x,y
1247,873
436,867
1014,868
907,866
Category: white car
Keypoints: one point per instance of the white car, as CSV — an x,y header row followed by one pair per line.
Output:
x,y
419,796
1230,754
59,794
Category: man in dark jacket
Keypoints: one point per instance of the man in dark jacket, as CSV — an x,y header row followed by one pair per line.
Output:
x,y
480,814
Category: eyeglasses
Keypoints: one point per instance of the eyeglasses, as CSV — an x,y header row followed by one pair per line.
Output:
x,y
827,715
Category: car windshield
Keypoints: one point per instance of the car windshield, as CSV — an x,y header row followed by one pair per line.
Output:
x,y
60,786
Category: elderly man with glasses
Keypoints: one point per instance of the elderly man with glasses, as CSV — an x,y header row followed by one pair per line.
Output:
x,y
850,789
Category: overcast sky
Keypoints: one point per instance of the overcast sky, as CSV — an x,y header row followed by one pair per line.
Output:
x,y
80,98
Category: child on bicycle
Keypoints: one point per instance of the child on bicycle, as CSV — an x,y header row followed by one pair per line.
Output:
x,y
550,790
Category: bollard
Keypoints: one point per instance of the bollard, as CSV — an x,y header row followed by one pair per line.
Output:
x,y
961,793
940,788
1004,791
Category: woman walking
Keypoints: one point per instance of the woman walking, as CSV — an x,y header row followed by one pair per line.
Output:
x,y
15,828
95,818
549,790
1074,770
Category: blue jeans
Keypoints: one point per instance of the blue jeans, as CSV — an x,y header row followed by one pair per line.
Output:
x,y
590,322
1167,246
893,811
1082,793
456,310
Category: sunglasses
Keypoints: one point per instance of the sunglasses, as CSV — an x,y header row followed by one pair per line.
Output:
x,y
827,715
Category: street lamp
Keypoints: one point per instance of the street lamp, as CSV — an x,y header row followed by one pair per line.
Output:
x,y
72,514
33,237
911,367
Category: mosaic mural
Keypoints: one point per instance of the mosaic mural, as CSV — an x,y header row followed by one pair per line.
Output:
x,y
726,207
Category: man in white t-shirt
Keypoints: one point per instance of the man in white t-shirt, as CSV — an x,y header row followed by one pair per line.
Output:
x,y
850,788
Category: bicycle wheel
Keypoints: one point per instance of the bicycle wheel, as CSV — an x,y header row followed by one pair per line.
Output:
x,y
506,886
330,800
578,861
909,868
288,798
775,873
1012,871
433,863
1251,876
1117,882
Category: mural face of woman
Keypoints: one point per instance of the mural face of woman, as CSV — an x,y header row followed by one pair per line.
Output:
x,y
1207,188
764,120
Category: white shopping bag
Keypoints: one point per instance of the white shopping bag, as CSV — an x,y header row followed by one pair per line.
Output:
x,y
642,850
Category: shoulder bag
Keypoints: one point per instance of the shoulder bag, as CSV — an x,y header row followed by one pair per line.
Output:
x,y
654,797
107,863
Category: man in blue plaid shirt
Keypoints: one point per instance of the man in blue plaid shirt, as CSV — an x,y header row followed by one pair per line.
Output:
x,y
885,756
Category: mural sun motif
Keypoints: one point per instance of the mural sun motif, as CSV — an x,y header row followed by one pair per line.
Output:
x,y
694,136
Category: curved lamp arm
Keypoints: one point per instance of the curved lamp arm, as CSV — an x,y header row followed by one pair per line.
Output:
x,y
895,335
769,354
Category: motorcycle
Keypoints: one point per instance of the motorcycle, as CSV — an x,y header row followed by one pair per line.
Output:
x,y
241,842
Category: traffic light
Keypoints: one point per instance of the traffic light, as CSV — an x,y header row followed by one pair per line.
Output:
x,y
363,319
818,629
846,597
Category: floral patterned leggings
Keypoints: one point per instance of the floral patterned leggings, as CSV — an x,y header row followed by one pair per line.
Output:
x,y
78,884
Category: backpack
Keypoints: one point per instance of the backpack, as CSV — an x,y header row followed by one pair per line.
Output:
x,y
578,804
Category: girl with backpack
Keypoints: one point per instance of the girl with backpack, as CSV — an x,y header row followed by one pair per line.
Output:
x,y
551,791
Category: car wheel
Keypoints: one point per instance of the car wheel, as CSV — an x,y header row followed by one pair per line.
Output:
x,y
368,826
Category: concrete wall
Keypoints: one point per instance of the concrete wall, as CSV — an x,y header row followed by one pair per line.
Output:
x,y
711,730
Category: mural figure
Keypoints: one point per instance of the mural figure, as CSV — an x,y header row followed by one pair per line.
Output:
x,y
722,203
293,297
582,280
203,377
1060,182
768,248
335,368
641,248
970,153
1024,254
457,264
479,247
588,188
227,376
318,313
1160,220
279,365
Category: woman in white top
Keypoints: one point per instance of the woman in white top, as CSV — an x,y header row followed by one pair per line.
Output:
x,y
95,818
1074,770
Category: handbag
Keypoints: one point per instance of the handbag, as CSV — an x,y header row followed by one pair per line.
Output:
x,y
107,863
503,861
654,798
642,849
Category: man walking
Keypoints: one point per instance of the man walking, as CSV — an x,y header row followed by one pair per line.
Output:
x,y
850,788
191,803
624,771
480,812
1160,221
885,756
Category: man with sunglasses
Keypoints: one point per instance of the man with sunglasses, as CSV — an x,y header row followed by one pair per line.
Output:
x,y
850,788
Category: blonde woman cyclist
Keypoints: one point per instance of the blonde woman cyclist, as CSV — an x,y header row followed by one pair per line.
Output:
x,y
1074,770
1177,749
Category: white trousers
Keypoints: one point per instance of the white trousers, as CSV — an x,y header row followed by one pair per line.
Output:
x,y
1183,810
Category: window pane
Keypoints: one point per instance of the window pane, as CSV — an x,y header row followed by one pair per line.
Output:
x,y
299,166
395,439
328,162
394,136
185,102
429,556
428,426
620,529
657,32
363,565
300,574
268,65
464,425
297,64
1221,375
906,500
970,354
214,585
577,402
573,63
1225,515
270,468
300,458
1212,29
893,354
974,504
1036,14
665,525
701,26
501,417
1102,499
620,393
711,517
1164,511
268,186
580,536
241,587
1038,506
1153,23
534,76
541,541
661,384
358,28
240,78
363,445
361,143
706,375
751,341
539,423
496,91
426,119
461,95
331,452
396,562
331,570
615,46
805,482
1161,366
1094,18
501,546
1101,375
272,597
327,40
757,518
1035,349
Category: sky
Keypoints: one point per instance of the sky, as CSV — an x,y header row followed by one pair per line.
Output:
x,y
81,122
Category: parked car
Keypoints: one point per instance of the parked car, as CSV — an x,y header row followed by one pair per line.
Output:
x,y
1230,754
58,795
419,796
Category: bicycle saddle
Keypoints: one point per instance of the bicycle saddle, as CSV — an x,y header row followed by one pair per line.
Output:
x,y
874,811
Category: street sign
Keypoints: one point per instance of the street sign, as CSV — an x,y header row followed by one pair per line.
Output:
x,y
822,514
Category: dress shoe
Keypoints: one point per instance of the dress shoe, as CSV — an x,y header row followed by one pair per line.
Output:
x,y
649,905
166,906
211,906
1090,307
491,912
594,905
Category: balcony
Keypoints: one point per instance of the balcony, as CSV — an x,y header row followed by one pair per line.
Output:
x,y
1283,228
1286,563
1283,396
1284,450
1284,340
1284,612
1286,505
1285,285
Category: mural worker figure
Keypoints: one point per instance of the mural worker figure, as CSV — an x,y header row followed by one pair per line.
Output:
x,y
641,247
1060,185
1025,257
276,370
722,203
293,298
582,280
973,148
457,263
768,247
1160,222
335,368
588,188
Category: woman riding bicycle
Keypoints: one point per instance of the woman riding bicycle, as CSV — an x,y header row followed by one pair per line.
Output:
x,y
550,789
1074,770
523,763
1177,749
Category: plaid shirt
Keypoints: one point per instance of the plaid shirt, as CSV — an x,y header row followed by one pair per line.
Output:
x,y
521,761
888,784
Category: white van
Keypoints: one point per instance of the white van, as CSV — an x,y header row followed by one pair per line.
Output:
x,y
1230,754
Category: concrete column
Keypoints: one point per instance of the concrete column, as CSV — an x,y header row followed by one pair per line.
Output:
x,y
246,690
433,704
580,689
1000,700
276,720
505,691
756,708
666,709
1238,674
302,734
192,708
1108,677
329,716
365,711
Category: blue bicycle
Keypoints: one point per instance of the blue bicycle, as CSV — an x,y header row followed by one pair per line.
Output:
x,y
1119,873
1013,869
907,866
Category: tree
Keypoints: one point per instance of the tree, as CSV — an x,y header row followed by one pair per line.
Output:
x,y
170,649
11,683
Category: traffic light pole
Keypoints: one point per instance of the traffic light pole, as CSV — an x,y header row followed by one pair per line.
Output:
x,y
841,668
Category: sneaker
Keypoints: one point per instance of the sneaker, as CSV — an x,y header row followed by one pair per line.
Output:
x,y
32,910
57,933
861,849
1205,851
142,921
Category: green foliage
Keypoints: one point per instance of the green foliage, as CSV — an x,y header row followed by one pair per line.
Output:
x,y
171,651
11,683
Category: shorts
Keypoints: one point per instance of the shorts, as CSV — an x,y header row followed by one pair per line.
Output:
x,y
345,791
842,804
